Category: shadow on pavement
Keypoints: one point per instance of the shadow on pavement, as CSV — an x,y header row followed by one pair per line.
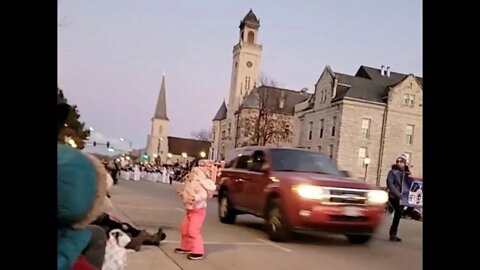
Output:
x,y
302,238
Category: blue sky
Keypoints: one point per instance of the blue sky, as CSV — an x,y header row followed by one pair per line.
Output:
x,y
112,53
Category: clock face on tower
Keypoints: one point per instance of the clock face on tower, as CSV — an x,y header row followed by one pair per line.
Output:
x,y
249,64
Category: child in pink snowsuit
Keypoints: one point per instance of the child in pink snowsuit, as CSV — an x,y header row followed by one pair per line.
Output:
x,y
198,187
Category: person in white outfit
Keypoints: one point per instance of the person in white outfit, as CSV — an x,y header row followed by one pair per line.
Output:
x,y
136,173
164,175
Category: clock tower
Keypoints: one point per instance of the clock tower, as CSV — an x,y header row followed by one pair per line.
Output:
x,y
246,61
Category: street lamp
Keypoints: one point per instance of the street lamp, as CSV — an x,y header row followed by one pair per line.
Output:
x,y
169,155
202,154
91,129
366,161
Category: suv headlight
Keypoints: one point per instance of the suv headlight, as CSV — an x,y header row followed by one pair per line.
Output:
x,y
310,192
377,197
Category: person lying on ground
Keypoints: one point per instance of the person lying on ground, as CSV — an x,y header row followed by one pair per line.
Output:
x,y
138,237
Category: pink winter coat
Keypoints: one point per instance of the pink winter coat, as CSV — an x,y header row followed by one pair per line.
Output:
x,y
198,187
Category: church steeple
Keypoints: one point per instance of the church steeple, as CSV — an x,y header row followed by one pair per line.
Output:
x,y
161,109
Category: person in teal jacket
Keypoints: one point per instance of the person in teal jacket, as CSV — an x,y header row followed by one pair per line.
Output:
x,y
81,189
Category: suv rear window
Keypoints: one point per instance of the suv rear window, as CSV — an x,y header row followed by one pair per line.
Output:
x,y
292,160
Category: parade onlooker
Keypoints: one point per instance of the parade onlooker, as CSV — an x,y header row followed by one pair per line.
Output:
x,y
394,183
138,237
194,197
81,190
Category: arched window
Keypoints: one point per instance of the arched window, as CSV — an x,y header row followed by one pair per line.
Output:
x,y
247,83
251,37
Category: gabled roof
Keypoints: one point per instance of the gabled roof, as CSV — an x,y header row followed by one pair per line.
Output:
x,y
273,96
375,75
358,88
221,113
368,84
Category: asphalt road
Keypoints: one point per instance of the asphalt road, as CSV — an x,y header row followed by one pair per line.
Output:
x,y
244,245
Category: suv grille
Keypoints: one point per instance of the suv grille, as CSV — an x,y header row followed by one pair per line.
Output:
x,y
347,196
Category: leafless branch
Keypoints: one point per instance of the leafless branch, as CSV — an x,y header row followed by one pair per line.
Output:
x,y
202,135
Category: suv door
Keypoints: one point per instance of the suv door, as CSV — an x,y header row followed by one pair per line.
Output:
x,y
256,183
238,179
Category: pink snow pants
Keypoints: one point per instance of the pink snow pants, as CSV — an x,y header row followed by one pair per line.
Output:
x,y
190,230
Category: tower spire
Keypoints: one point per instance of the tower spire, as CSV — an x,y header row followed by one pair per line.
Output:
x,y
161,109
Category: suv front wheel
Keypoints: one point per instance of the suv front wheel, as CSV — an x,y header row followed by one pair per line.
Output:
x,y
276,224
226,213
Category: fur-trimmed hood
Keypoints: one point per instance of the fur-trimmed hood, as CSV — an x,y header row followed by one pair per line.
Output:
x,y
202,175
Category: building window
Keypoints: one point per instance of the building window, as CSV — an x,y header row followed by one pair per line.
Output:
x,y
213,135
310,130
251,37
321,97
409,100
319,148
334,123
247,83
229,128
322,126
223,134
222,154
410,131
366,128
324,96
362,154
330,151
160,130
408,157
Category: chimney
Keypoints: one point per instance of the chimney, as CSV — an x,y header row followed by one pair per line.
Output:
x,y
382,70
388,71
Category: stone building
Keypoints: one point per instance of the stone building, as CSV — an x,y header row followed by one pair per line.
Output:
x,y
363,122
371,117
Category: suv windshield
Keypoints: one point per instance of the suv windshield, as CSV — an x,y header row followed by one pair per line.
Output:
x,y
302,161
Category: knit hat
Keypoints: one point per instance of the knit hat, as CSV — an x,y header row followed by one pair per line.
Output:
x,y
403,158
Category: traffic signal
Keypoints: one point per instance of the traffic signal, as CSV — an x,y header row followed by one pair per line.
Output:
x,y
94,144
108,144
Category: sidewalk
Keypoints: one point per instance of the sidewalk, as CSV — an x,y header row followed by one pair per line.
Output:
x,y
149,257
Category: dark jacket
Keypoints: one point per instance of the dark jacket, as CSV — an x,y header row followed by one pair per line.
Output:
x,y
394,182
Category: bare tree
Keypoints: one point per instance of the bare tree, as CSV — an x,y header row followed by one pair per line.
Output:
x,y
266,80
202,135
265,123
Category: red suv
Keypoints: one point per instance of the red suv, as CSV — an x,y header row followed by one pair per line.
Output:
x,y
294,190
